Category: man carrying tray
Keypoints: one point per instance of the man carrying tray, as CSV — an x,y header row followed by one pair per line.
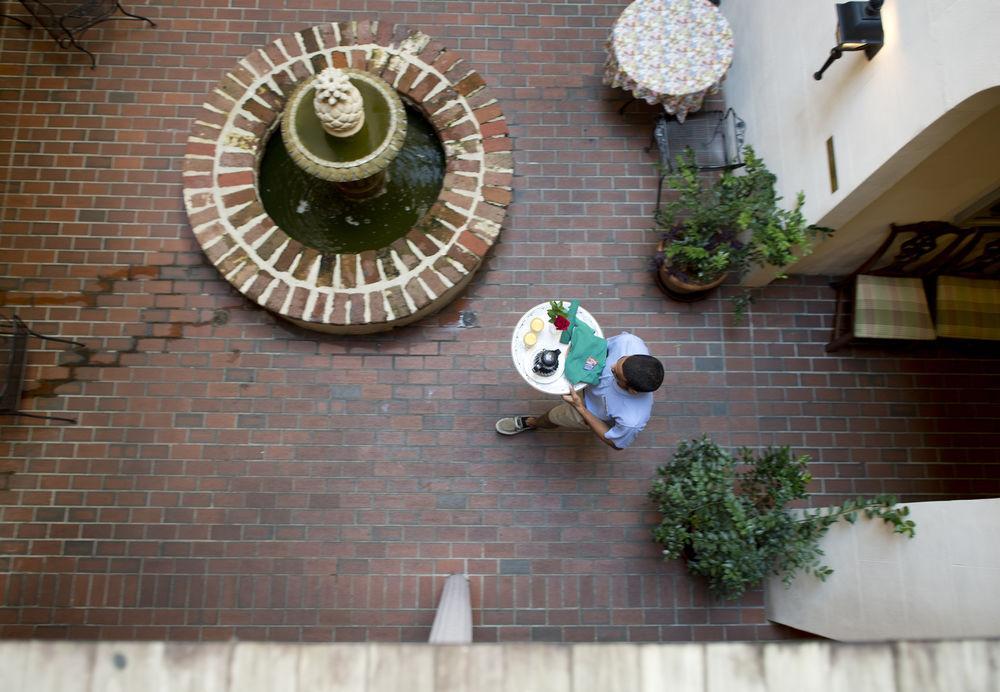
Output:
x,y
615,408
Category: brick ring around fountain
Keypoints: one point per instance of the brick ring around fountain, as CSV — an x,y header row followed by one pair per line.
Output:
x,y
373,290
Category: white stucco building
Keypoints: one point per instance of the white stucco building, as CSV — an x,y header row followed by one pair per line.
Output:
x,y
915,131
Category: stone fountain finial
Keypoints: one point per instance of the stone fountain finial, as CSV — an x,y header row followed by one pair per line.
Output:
x,y
338,103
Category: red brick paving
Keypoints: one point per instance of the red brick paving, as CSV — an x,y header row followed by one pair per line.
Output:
x,y
234,476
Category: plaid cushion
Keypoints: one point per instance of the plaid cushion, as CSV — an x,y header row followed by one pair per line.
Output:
x,y
968,308
889,307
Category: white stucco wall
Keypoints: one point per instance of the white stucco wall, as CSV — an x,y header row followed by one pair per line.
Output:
x,y
943,583
931,79
940,187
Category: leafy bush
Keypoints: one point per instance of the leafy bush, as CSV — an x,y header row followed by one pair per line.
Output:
x,y
726,517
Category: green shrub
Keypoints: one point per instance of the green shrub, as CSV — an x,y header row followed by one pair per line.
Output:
x,y
726,516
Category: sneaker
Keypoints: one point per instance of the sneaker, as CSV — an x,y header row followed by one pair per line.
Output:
x,y
513,426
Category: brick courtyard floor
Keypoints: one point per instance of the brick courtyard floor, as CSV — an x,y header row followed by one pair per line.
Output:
x,y
234,476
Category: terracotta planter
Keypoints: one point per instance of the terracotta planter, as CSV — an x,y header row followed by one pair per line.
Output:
x,y
679,287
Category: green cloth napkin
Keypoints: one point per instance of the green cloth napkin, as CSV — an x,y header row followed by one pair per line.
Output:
x,y
587,355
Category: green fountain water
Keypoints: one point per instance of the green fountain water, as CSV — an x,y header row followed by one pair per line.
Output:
x,y
316,214
351,169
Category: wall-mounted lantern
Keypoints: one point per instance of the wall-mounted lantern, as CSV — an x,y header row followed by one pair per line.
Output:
x,y
859,27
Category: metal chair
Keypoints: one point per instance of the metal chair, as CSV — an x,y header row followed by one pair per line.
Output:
x,y
14,363
715,137
16,19
64,20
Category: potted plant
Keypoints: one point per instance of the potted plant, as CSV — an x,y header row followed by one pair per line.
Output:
x,y
726,516
725,225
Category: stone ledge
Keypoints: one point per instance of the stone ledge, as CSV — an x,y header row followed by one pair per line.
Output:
x,y
374,290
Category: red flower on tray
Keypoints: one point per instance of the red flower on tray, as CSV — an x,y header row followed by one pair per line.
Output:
x,y
558,315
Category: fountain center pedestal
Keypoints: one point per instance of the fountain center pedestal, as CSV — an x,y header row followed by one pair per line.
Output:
x,y
345,126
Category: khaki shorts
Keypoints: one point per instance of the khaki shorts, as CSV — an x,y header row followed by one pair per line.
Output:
x,y
565,416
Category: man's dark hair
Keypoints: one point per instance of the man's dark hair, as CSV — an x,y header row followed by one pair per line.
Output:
x,y
643,373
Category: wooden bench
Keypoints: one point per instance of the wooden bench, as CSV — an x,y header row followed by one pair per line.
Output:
x,y
886,298
967,290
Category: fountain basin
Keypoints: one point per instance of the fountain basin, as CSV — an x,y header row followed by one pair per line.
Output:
x,y
322,215
349,292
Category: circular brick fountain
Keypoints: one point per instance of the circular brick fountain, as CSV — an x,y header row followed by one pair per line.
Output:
x,y
373,290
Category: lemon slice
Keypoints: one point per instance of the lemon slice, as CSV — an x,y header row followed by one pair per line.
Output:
x,y
537,324
530,339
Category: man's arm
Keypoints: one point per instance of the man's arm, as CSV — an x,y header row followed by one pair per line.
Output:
x,y
599,427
